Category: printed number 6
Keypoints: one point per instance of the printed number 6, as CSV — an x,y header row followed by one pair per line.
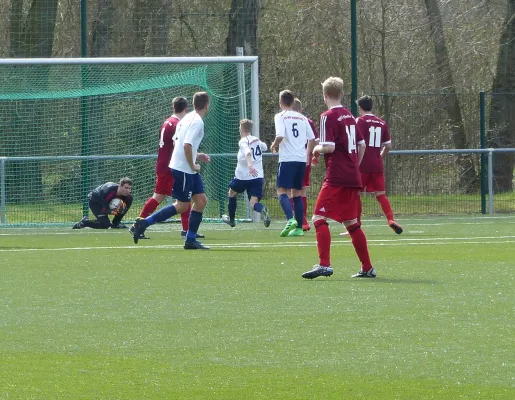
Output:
x,y
294,130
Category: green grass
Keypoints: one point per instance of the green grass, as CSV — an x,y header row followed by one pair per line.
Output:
x,y
88,315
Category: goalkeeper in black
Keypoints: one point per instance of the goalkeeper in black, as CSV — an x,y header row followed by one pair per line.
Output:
x,y
99,200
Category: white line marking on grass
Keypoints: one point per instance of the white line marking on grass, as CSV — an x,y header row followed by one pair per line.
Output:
x,y
375,242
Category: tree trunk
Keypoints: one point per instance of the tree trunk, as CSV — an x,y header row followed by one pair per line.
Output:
x,y
15,28
160,26
100,29
502,107
34,38
38,33
141,27
467,176
243,24
95,134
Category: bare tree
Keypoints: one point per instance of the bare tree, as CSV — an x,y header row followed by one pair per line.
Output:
x,y
160,27
502,111
243,24
102,24
31,36
465,164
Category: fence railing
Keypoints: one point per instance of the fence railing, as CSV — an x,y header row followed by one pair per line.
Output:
x,y
418,182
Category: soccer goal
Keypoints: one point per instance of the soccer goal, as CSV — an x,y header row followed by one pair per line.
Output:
x,y
69,125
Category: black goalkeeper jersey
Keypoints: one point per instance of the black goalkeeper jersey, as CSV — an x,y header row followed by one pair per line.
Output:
x,y
103,194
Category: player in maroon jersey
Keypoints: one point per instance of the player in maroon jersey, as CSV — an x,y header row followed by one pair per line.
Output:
x,y
343,148
378,141
297,106
164,177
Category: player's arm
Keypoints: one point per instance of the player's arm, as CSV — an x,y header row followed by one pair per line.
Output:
x,y
386,142
188,153
203,157
361,150
326,140
189,139
277,141
279,133
248,156
386,147
263,146
311,142
118,217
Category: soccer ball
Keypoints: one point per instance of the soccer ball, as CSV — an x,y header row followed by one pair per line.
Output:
x,y
116,205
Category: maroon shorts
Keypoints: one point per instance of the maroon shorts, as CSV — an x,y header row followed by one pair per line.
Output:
x,y
337,203
373,182
306,182
164,183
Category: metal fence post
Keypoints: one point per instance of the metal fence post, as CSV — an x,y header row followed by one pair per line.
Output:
x,y
490,182
243,114
2,190
482,144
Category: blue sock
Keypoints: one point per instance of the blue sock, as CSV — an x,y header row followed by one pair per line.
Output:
x,y
258,207
286,206
162,215
232,208
298,207
195,220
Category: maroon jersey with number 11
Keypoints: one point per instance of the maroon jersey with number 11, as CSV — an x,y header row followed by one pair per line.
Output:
x,y
376,134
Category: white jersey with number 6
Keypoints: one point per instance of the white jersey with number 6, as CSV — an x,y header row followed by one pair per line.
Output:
x,y
295,130
255,147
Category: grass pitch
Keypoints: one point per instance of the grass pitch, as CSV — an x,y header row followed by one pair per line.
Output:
x,y
89,315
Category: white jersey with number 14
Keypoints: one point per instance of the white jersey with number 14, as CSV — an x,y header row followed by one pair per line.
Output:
x,y
255,147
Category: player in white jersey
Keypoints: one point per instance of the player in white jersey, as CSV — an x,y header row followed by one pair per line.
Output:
x,y
187,184
292,131
249,175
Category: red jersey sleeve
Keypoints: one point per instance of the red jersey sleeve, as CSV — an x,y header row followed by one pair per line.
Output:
x,y
328,129
361,131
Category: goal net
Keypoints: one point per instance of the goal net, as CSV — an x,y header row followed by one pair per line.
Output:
x,y
69,125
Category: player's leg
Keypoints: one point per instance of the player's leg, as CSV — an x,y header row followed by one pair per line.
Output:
x,y
102,222
298,206
181,194
255,193
199,200
232,204
236,186
185,220
304,195
285,176
322,211
349,213
162,189
284,201
379,187
283,184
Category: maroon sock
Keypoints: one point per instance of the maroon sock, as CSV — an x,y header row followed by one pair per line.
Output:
x,y
323,235
360,210
149,207
359,241
185,218
385,205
